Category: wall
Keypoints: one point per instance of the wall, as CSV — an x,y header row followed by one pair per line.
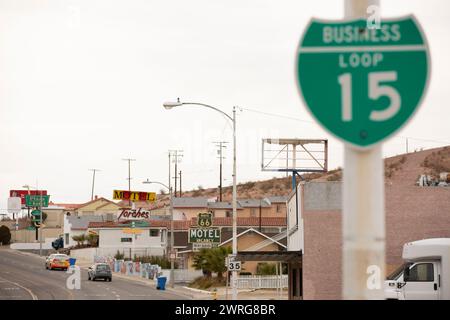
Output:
x,y
412,213
322,241
295,230
189,213
72,233
87,255
98,207
28,236
111,238
55,218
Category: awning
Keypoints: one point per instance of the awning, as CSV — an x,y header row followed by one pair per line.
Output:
x,y
281,256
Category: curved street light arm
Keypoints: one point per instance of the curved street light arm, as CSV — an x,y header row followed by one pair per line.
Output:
x,y
208,106
151,182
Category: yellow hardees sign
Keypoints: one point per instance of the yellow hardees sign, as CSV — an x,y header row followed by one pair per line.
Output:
x,y
131,231
134,195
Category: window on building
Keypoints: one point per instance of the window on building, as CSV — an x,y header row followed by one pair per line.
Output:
x,y
422,272
66,240
278,208
253,212
154,232
126,240
228,214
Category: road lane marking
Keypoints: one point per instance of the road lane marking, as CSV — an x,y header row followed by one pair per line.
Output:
x,y
24,288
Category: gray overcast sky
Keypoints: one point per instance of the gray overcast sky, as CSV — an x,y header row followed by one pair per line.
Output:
x,y
82,85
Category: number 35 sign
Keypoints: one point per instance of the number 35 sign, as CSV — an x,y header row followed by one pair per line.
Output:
x,y
363,84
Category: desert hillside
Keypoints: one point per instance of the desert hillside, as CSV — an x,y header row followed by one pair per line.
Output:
x,y
400,169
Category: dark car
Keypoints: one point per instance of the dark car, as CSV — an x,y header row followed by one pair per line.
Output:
x,y
100,271
58,243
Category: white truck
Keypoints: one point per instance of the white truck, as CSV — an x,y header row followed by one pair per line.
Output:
x,y
425,274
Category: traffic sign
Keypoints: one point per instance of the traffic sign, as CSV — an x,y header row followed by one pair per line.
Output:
x,y
234,265
14,204
362,85
197,246
204,235
204,220
37,200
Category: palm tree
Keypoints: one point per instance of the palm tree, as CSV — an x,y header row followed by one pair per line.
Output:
x,y
211,260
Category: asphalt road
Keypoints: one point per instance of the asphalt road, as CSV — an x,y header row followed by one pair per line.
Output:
x,y
24,277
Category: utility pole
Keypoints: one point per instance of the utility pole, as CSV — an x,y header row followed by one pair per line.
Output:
x,y
363,221
406,145
93,181
129,176
176,154
180,184
220,145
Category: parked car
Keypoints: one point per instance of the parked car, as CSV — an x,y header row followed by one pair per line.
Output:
x,y
58,243
57,261
100,271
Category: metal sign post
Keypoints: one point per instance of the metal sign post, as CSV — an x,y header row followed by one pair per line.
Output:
x,y
362,83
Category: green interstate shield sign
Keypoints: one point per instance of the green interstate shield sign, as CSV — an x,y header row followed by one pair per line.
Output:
x,y
361,84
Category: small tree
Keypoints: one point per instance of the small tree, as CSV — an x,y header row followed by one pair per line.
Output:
x,y
200,262
92,239
119,256
80,239
211,260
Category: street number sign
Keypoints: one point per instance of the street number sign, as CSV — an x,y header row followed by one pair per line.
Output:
x,y
362,85
204,220
234,265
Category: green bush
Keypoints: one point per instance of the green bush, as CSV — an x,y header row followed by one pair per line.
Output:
x,y
119,256
207,282
266,269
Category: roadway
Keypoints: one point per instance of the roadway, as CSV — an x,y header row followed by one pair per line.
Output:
x,y
24,277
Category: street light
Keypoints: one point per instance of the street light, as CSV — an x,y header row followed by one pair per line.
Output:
x,y
172,259
171,105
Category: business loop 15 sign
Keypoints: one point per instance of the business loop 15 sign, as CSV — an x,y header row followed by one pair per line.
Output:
x,y
363,84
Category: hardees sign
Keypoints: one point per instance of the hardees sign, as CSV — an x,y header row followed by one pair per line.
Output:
x,y
137,214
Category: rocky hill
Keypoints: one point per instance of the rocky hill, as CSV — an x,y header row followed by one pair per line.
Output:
x,y
404,168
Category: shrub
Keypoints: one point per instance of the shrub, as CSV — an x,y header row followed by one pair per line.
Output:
x,y
5,235
266,269
92,240
207,282
119,256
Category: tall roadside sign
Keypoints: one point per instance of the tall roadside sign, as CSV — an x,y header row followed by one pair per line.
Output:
x,y
362,82
362,85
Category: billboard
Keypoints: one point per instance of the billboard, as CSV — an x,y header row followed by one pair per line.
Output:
x,y
204,235
134,195
23,193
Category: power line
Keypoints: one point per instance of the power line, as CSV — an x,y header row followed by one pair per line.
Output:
x,y
308,121
277,115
